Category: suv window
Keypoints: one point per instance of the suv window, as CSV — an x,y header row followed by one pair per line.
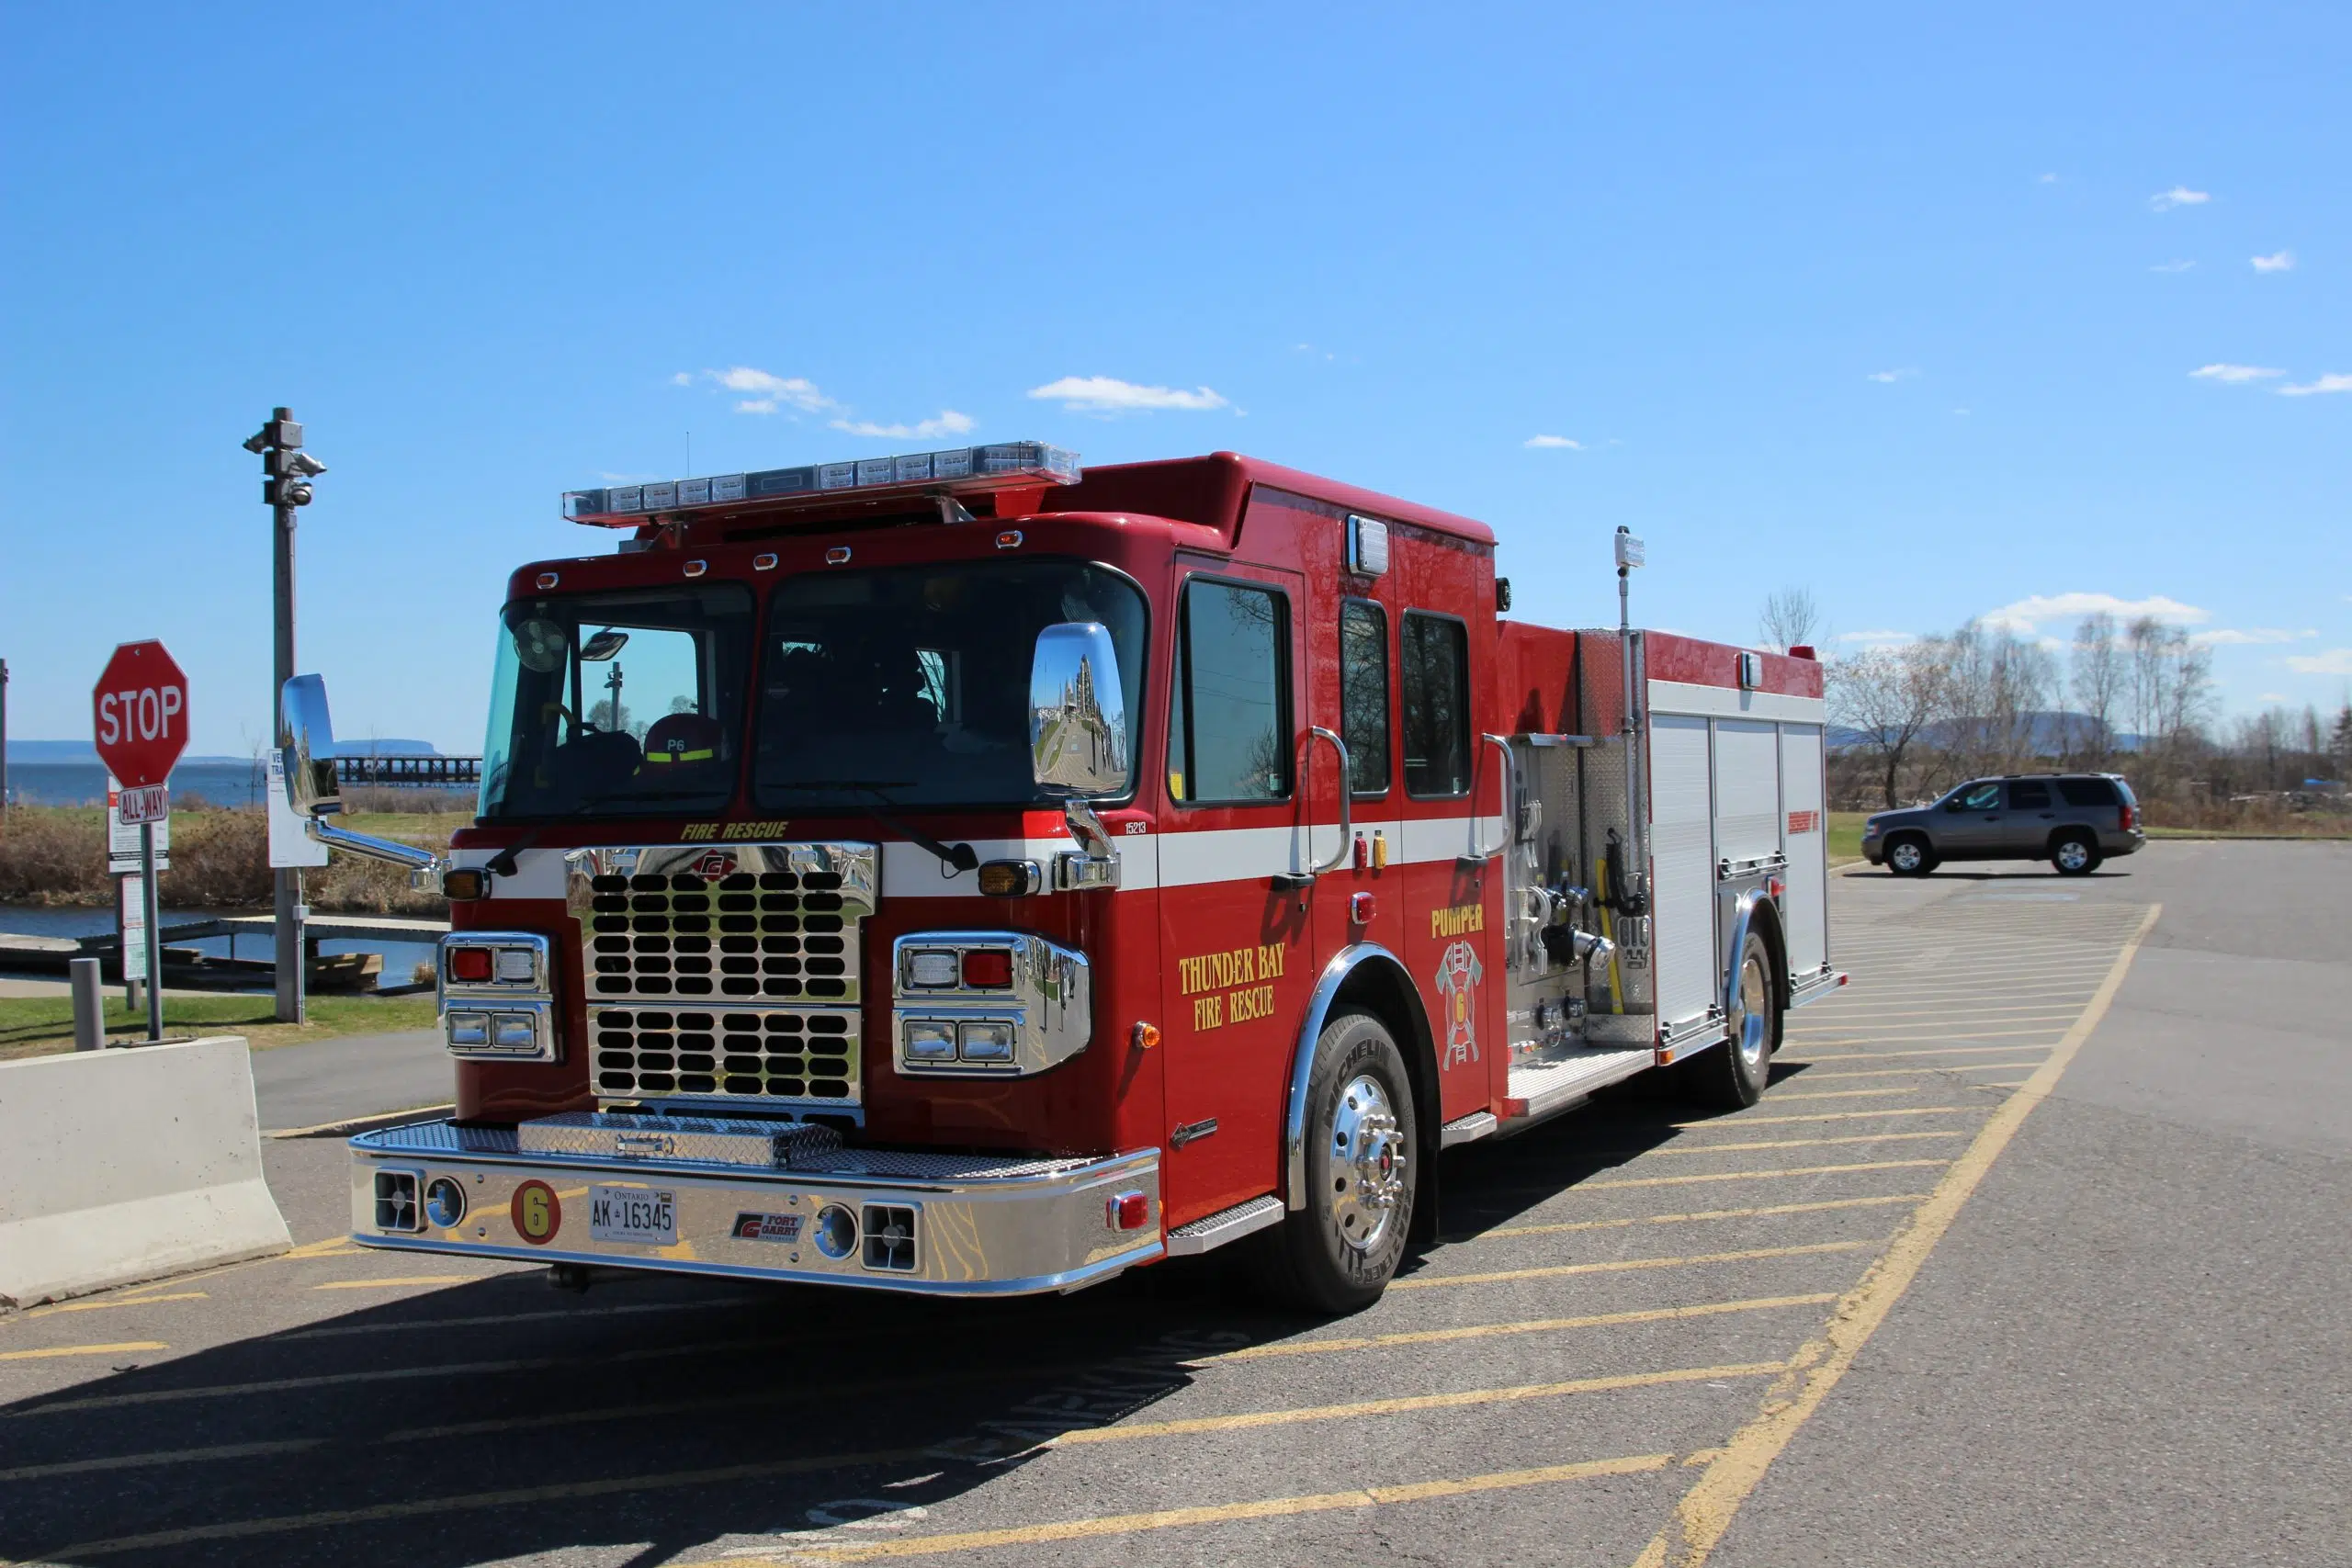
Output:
x,y
1980,797
1228,716
2029,795
1436,651
1363,694
2086,792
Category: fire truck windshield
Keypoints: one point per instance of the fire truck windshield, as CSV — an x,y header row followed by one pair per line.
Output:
x,y
920,676
626,702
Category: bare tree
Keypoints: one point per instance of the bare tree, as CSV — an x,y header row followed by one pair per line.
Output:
x,y
1790,618
2098,678
1890,695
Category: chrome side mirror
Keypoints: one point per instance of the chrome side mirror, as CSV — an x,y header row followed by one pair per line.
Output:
x,y
307,733
1078,713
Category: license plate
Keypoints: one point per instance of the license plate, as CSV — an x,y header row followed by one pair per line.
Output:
x,y
638,1215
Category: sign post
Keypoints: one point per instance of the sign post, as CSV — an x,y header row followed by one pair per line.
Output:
x,y
139,708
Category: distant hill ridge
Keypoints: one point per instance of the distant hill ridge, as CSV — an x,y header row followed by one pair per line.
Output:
x,y
2053,732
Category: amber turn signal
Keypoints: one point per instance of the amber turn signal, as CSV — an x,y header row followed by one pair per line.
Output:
x,y
1010,878
1146,1035
465,882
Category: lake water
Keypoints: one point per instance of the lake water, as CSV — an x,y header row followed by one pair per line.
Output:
x,y
84,783
401,958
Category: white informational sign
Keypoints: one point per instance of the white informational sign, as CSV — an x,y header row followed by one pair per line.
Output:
x,y
122,837
289,845
132,892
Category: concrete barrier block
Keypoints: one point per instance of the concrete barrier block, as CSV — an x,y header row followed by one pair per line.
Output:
x,y
126,1165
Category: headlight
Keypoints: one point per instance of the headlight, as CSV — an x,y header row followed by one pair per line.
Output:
x,y
999,1003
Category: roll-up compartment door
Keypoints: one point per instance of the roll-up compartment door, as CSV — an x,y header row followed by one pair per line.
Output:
x,y
1747,789
1806,908
1683,859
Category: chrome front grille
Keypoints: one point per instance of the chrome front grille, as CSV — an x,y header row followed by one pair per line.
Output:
x,y
724,971
802,1054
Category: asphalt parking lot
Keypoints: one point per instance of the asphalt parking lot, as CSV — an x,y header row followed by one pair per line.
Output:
x,y
2026,1257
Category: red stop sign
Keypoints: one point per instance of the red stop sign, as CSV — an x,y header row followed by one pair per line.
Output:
x,y
141,707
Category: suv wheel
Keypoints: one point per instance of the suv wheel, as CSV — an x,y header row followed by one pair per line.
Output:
x,y
2074,854
1908,855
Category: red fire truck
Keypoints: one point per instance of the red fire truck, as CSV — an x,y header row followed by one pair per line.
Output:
x,y
963,873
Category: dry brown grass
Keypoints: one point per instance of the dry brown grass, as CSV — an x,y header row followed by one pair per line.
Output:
x,y
220,860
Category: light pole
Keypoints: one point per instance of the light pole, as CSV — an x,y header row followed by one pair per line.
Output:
x,y
287,471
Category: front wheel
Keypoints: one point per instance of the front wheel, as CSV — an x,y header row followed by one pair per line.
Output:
x,y
1338,1253
1909,856
1733,1078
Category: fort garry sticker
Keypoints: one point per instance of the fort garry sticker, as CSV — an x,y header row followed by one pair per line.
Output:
x,y
1458,974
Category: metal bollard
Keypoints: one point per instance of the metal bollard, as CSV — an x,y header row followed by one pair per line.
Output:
x,y
89,1004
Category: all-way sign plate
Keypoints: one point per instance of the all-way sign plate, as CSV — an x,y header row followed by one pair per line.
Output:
x,y
151,803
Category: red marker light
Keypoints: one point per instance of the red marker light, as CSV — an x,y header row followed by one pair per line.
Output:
x,y
1360,909
469,965
988,969
1127,1212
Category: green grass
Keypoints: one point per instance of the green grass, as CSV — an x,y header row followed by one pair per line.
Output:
x,y
39,1026
1846,836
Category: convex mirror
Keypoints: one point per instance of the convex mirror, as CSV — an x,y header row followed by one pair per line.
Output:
x,y
1078,713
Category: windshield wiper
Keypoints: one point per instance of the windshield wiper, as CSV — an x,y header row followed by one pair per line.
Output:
x,y
953,858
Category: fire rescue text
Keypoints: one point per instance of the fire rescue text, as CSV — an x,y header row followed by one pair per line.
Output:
x,y
1234,972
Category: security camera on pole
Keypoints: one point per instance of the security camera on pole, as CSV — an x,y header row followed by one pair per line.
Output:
x,y
287,471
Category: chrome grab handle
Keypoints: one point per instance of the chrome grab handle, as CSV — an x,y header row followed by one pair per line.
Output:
x,y
1511,795
1347,790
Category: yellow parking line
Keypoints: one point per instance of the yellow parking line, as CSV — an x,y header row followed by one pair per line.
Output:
x,y
2018,1083
1497,1330
499,1319
1908,1051
1866,1032
55,1350
106,1305
320,1248
1401,1405
1823,1116
1782,1094
1629,1265
2028,1010
1920,1072
1567,1225
169,1456
1706,1511
1220,1512
1804,1143
401,1280
1755,1175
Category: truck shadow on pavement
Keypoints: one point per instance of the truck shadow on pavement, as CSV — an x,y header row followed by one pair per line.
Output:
x,y
653,1416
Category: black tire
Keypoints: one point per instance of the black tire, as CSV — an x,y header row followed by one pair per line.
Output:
x,y
1732,1077
2074,854
1909,854
1338,1254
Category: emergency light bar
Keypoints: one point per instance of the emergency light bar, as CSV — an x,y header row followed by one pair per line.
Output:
x,y
959,470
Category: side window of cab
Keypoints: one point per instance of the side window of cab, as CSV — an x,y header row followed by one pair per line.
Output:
x,y
1228,712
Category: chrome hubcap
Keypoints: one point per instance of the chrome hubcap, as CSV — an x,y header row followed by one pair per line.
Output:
x,y
1753,1026
2072,856
1368,1162
1905,855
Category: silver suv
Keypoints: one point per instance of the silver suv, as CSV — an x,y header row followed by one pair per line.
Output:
x,y
2071,821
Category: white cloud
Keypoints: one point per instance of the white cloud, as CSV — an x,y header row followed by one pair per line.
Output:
x,y
2234,374
949,423
777,393
1888,375
2026,615
683,378
1108,394
2180,195
2330,382
2232,637
2173,267
2050,179
1878,640
2334,661
2276,261
1558,441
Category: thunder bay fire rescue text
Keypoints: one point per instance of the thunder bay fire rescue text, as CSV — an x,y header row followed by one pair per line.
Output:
x,y
964,873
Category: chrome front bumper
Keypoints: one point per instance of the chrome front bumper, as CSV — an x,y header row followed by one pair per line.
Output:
x,y
982,1225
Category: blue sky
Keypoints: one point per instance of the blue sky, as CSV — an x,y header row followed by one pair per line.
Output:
x,y
1903,305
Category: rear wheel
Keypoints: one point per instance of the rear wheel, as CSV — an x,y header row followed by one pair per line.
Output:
x,y
1338,1253
1909,855
1733,1078
2074,854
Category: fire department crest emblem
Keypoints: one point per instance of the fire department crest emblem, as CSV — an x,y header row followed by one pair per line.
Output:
x,y
1458,974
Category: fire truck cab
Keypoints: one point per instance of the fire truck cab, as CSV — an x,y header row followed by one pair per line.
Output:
x,y
965,873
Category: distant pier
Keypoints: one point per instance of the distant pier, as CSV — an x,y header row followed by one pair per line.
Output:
x,y
423,771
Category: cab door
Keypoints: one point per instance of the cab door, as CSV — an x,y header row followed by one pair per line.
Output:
x,y
1236,918
1974,824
